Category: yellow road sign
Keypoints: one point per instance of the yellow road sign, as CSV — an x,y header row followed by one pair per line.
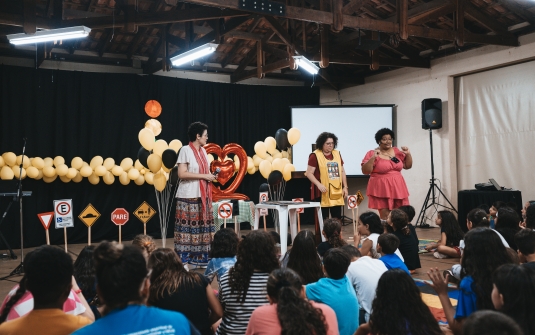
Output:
x,y
89,215
144,212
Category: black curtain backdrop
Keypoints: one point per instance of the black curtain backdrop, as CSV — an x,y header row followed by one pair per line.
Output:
x,y
70,114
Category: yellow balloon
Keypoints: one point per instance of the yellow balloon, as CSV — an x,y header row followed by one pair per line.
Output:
x,y
84,164
160,181
25,163
269,158
294,135
48,161
137,165
165,169
155,126
146,138
62,170
133,174
277,164
117,170
175,145
260,149
127,164
159,147
271,144
109,163
65,179
58,160
265,168
71,173
251,170
210,158
9,158
285,161
140,180
154,162
78,178
123,179
85,171
108,178
16,172
49,171
6,173
237,165
284,154
277,155
142,171
100,170
93,179
76,163
250,163
38,162
287,173
49,179
149,178
2,163
256,160
96,161
32,172
40,176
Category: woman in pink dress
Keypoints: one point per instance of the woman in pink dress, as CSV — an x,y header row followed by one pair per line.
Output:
x,y
386,189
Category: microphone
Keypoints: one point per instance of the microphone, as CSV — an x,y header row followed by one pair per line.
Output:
x,y
216,172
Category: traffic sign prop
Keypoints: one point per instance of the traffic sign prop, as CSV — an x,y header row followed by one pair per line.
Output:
x,y
298,212
120,216
263,197
63,216
224,211
88,216
144,213
352,202
46,219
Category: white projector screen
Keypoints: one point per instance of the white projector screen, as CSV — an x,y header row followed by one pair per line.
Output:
x,y
355,127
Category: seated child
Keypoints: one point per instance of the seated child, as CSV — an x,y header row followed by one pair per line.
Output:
x,y
222,253
336,291
332,231
525,242
450,236
387,245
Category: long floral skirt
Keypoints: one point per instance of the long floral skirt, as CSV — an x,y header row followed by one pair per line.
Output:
x,y
193,231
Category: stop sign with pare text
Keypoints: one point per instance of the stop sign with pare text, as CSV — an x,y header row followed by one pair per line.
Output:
x,y
119,216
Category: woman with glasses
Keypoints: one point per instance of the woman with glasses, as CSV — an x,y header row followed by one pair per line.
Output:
x,y
325,171
386,188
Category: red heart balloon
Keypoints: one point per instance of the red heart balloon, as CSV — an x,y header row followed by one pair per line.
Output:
x,y
227,170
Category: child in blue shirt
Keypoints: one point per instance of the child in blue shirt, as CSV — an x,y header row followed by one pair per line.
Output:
x,y
387,245
336,291
222,253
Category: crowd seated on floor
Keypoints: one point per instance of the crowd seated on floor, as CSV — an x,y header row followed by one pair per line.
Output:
x,y
334,288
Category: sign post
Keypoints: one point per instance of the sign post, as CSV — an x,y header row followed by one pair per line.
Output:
x,y
63,216
360,198
264,197
46,219
119,216
352,204
144,213
224,211
88,216
298,212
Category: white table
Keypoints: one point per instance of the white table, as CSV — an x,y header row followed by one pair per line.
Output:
x,y
284,210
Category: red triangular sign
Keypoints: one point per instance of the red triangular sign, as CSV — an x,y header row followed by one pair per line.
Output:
x,y
45,219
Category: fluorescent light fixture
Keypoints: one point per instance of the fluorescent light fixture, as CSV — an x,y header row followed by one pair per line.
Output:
x,y
49,35
193,54
306,64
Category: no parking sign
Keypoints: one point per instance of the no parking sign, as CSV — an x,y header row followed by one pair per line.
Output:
x,y
63,213
224,210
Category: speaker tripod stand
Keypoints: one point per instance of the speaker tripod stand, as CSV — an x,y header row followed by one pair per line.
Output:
x,y
431,198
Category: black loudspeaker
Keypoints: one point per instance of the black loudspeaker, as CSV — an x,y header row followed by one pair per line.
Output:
x,y
431,114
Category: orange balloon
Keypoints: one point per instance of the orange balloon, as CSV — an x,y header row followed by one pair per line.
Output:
x,y
153,108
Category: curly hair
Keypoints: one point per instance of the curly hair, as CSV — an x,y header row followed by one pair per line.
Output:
x,y
332,228
400,221
478,218
296,315
399,301
255,252
121,270
451,227
84,271
382,132
484,252
196,128
224,244
304,259
517,285
373,221
168,274
323,137
490,322
145,242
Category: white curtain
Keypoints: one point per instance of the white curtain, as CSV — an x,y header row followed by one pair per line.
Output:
x,y
496,128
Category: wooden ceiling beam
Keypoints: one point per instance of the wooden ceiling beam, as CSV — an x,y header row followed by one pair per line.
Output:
x,y
324,74
240,73
383,61
459,22
483,19
402,8
353,6
30,25
239,44
274,50
179,42
432,14
518,10
135,42
421,9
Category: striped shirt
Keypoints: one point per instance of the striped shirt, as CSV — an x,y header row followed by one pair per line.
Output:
x,y
236,314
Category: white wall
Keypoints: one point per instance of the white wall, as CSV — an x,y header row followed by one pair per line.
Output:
x,y
407,88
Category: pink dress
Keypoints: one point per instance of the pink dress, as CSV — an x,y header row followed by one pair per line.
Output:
x,y
386,188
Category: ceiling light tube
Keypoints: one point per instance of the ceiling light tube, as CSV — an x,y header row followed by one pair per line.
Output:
x,y
49,35
193,54
301,61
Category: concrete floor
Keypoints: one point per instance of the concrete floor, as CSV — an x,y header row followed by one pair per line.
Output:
x,y
427,260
